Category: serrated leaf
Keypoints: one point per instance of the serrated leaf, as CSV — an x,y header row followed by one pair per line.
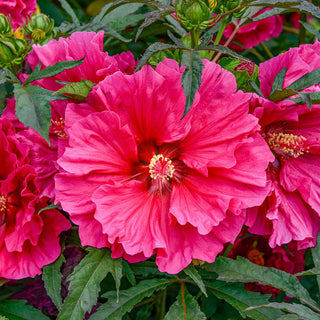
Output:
x,y
314,96
305,97
310,272
272,3
152,17
288,317
310,8
155,47
278,81
176,26
33,108
312,30
177,41
306,81
128,272
222,49
191,271
52,71
191,77
242,299
121,12
207,37
242,270
85,284
7,75
279,95
66,6
269,13
256,88
115,268
186,307
300,310
113,310
19,310
77,90
316,258
147,268
52,276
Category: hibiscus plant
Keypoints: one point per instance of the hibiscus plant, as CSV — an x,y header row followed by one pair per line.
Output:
x,y
159,159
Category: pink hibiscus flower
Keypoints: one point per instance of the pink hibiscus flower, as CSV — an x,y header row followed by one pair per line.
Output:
x,y
96,66
18,10
138,176
291,212
29,237
253,33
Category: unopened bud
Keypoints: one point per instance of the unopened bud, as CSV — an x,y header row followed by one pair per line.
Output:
x,y
5,25
40,27
12,51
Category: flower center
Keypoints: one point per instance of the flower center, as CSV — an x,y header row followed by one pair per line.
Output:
x,y
3,209
288,144
161,167
57,127
3,204
256,257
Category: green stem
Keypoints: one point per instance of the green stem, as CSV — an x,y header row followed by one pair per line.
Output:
x,y
266,49
195,33
161,305
257,54
302,30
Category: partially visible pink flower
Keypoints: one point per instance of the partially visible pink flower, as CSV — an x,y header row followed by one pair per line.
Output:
x,y
256,249
137,176
253,33
96,66
18,10
29,237
292,210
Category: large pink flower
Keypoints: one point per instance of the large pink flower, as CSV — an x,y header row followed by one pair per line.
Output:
x,y
292,210
253,33
96,66
29,237
18,10
138,176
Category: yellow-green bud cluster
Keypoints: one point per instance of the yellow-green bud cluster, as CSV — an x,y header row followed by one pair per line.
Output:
x,y
195,14
40,27
5,25
12,51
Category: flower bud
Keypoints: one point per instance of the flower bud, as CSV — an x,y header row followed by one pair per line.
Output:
x,y
40,27
194,14
5,25
11,51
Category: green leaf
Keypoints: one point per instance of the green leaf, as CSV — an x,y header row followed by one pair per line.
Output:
x,y
177,41
310,8
316,258
191,77
314,97
272,3
115,268
7,75
306,81
33,108
191,271
300,310
85,284
77,90
269,13
310,272
19,310
288,317
278,81
312,30
279,95
66,6
222,49
113,310
51,71
128,272
51,206
241,299
121,12
52,276
242,270
176,26
147,268
256,88
305,97
186,307
155,47
207,37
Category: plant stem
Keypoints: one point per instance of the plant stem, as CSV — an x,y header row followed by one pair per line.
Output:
x,y
161,305
227,42
194,37
266,49
302,30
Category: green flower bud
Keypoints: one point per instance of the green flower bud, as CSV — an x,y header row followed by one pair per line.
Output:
x,y
40,27
12,51
5,25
